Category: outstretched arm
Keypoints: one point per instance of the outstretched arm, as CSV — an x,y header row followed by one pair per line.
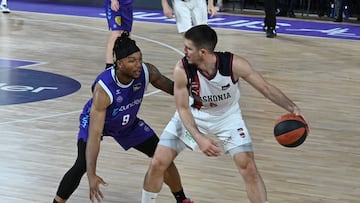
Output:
x,y
97,119
159,80
242,68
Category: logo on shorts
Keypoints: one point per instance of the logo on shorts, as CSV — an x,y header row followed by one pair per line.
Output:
x,y
118,20
147,129
241,132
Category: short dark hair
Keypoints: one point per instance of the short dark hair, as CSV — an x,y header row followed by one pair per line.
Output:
x,y
203,36
124,46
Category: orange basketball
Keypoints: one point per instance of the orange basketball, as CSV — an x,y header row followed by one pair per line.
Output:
x,y
291,130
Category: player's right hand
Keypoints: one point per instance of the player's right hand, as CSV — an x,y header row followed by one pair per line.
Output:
x,y
94,190
115,5
168,12
212,10
209,146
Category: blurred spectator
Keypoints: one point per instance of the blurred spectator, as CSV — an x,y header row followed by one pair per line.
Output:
x,y
270,18
188,13
340,11
345,8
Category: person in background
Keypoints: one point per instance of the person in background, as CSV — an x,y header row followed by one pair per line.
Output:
x,y
341,9
3,7
119,15
188,12
270,18
117,94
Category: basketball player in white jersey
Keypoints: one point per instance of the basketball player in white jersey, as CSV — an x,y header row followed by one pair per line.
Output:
x,y
3,7
211,79
188,12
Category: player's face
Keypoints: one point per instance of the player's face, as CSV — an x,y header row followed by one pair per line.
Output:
x,y
190,51
131,65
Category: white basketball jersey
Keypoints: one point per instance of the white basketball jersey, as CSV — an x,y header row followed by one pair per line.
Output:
x,y
216,95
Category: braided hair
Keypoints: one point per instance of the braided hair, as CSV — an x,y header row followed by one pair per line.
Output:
x,y
124,46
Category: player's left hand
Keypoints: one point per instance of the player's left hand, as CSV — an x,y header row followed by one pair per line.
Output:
x,y
94,182
297,112
209,146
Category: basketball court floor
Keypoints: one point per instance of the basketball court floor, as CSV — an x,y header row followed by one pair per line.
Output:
x,y
50,55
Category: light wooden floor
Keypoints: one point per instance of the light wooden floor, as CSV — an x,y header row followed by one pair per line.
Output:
x,y
38,140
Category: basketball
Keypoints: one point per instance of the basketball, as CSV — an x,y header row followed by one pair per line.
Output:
x,y
291,130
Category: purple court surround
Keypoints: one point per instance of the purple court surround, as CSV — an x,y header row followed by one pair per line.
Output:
x,y
284,26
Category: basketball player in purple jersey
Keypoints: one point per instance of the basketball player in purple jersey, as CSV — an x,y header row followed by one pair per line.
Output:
x,y
119,15
112,111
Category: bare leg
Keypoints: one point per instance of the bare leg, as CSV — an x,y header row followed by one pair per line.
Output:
x,y
162,168
110,45
255,186
172,178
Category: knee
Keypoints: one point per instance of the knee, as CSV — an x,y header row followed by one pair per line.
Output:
x,y
247,167
248,170
158,164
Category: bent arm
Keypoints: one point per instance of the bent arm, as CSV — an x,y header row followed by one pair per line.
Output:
x,y
159,80
181,94
97,119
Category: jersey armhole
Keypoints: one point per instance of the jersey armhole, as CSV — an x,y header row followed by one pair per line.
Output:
x,y
102,84
231,57
147,75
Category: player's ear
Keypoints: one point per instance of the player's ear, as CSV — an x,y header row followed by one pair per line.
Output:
x,y
118,63
203,51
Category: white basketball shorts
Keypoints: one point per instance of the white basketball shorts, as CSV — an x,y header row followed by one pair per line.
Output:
x,y
229,128
189,13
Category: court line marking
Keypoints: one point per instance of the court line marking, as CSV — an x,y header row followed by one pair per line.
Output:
x,y
91,28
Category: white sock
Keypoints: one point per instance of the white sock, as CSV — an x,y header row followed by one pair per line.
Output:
x,y
148,197
3,2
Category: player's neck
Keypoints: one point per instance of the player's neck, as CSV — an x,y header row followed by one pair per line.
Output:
x,y
208,65
122,78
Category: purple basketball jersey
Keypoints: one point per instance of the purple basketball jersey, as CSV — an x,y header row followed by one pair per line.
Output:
x,y
121,121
